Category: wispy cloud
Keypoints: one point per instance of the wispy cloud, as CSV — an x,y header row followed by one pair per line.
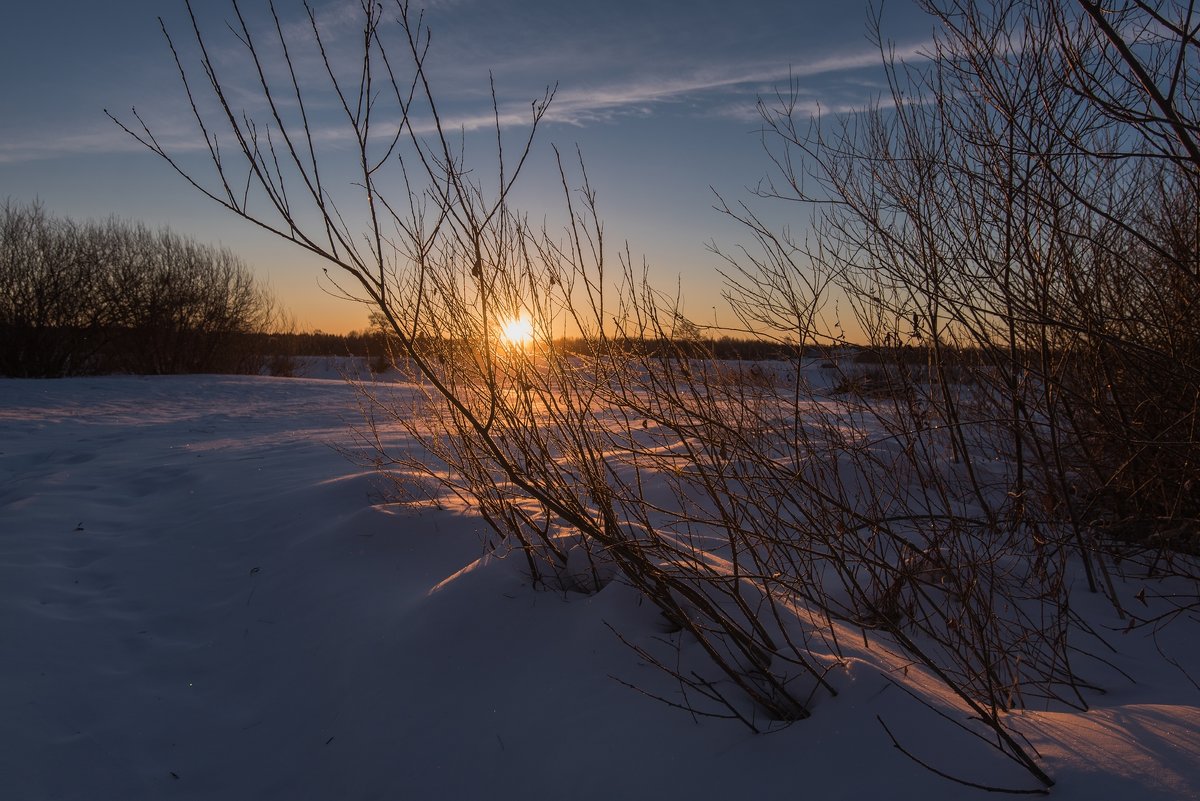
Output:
x,y
94,141
714,86
710,87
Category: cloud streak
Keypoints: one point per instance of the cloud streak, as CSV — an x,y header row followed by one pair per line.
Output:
x,y
584,105
95,141
712,90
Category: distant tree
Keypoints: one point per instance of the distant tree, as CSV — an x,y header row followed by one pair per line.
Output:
x,y
182,307
52,318
78,299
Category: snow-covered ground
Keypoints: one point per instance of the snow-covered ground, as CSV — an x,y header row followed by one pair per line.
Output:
x,y
202,595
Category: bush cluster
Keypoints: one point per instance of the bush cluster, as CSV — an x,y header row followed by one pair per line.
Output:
x,y
79,299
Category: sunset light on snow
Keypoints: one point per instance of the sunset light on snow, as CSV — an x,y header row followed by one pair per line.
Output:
x,y
686,399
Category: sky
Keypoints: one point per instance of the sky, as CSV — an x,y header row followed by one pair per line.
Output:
x,y
659,96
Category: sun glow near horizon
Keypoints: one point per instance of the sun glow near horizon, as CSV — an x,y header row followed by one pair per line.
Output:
x,y
516,332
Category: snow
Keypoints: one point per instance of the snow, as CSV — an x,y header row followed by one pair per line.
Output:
x,y
205,594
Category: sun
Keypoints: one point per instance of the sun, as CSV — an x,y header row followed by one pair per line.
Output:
x,y
516,332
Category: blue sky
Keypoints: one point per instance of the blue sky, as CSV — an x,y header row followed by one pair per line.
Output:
x,y
660,97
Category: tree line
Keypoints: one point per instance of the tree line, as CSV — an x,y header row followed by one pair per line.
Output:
x,y
114,296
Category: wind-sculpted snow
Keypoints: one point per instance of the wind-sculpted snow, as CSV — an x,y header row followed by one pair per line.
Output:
x,y
204,593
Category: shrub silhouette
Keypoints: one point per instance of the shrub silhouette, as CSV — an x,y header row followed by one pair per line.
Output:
x,y
791,528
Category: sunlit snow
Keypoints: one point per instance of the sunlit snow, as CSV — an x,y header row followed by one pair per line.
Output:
x,y
205,594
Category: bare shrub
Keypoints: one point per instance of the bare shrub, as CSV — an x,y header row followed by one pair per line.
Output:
x,y
931,525
1037,221
1016,203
